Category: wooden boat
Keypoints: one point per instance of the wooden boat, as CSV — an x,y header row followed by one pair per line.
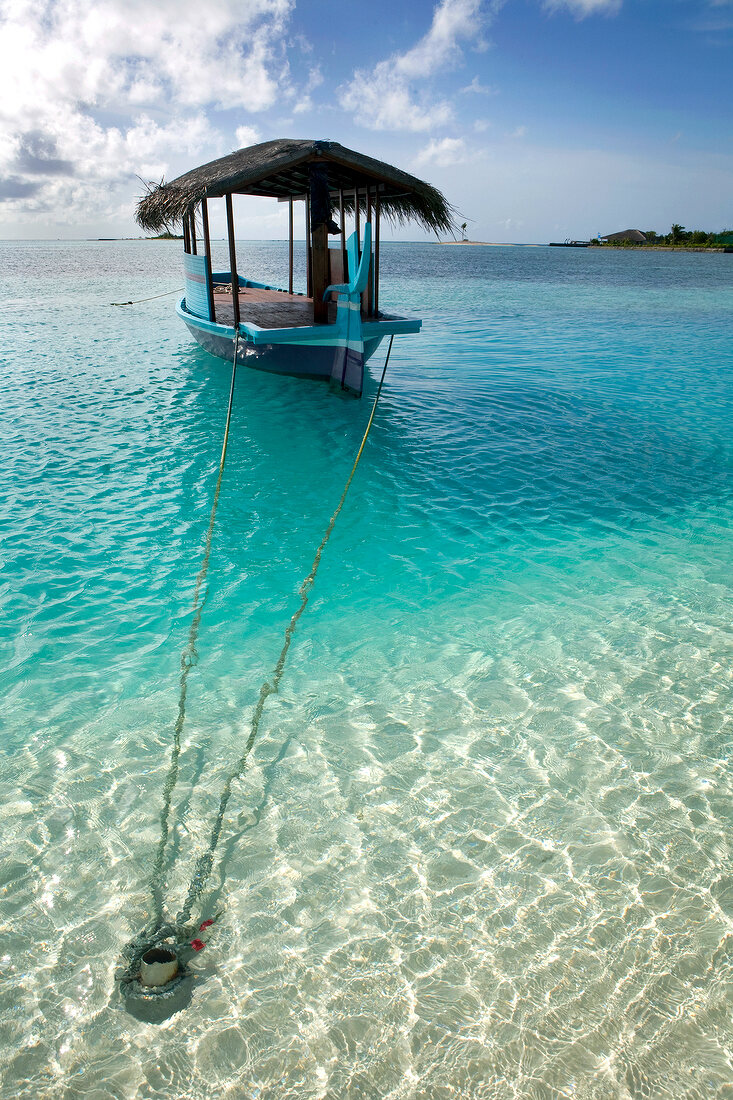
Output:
x,y
331,331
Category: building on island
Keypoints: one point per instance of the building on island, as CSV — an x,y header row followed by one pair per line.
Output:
x,y
634,235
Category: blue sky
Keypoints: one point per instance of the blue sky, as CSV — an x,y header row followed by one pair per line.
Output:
x,y
539,119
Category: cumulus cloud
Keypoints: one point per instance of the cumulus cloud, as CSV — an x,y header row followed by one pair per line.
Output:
x,y
106,162
442,153
246,135
13,188
37,155
68,67
385,97
95,51
384,102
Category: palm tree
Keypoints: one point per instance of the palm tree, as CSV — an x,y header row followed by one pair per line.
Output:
x,y
464,226
677,231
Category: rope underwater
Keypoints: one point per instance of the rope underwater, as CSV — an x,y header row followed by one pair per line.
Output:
x,y
143,947
205,862
188,659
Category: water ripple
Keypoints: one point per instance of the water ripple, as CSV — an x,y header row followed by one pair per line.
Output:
x,y
483,847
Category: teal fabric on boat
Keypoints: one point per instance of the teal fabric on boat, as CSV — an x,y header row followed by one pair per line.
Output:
x,y
348,361
358,269
195,276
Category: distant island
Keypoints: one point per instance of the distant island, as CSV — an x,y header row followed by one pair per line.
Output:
x,y
678,238
491,244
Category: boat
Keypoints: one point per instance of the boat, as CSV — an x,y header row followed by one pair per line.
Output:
x,y
567,243
330,331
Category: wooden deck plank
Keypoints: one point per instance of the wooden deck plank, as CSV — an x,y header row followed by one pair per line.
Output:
x,y
268,308
273,308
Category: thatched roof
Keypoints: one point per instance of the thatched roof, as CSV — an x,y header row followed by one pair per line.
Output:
x,y
626,235
279,169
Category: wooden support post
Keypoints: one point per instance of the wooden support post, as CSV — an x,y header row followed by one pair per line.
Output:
x,y
186,238
376,253
207,245
357,223
233,259
192,217
367,296
320,274
308,250
290,245
344,267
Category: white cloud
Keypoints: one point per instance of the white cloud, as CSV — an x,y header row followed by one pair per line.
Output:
x,y
453,21
384,96
444,153
100,162
384,102
68,66
246,135
581,8
305,103
96,50
315,78
479,88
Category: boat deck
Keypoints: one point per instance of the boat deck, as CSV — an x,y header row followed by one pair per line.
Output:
x,y
268,308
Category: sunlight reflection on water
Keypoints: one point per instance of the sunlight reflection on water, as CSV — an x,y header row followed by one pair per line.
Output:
x,y
483,848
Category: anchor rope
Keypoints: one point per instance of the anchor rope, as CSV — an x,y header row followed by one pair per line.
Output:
x,y
205,862
188,659
165,294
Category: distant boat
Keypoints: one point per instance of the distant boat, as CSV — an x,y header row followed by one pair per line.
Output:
x,y
567,243
331,331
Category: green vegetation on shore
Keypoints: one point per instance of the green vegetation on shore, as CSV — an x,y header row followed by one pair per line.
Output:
x,y
678,237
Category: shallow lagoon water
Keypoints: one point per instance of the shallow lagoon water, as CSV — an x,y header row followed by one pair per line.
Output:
x,y
483,848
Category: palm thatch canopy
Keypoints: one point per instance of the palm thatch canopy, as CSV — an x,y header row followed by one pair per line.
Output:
x,y
280,169
635,235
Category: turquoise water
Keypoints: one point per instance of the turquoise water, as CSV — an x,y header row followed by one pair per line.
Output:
x,y
483,848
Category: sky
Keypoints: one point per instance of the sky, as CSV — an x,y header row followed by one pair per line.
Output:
x,y
538,119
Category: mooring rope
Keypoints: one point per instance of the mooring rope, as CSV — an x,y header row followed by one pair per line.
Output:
x,y
178,290
205,862
188,659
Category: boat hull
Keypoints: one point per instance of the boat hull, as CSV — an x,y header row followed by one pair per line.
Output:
x,y
296,360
